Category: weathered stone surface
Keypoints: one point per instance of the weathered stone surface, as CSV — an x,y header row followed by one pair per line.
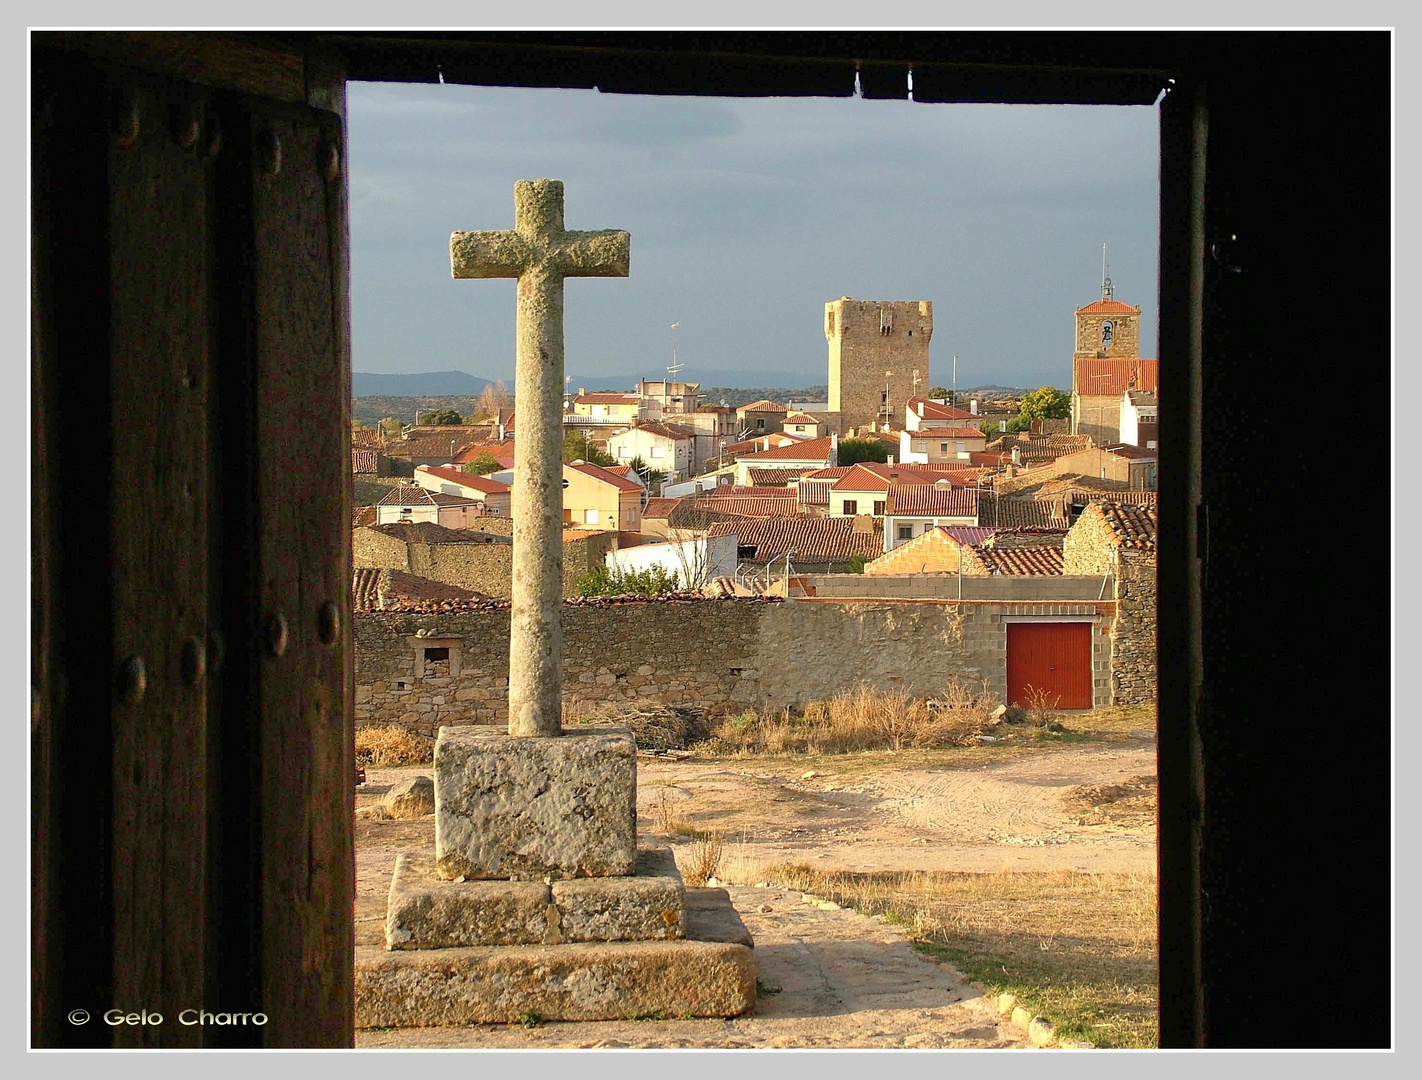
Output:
x,y
1041,1031
424,912
648,907
710,916
410,798
526,808
612,981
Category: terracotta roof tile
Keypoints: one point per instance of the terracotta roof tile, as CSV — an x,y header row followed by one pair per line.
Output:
x,y
427,532
931,500
362,515
607,399
1134,526
659,508
458,476
947,433
1098,378
763,405
597,472
813,539
364,461
1108,307
808,450
1001,511
1026,561
777,477
931,410
500,452
1137,498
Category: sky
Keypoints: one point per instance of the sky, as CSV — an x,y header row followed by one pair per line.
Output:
x,y
747,216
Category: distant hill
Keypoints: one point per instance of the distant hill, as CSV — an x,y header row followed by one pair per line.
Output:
x,y
427,384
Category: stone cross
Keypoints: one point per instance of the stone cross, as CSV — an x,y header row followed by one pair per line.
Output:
x,y
540,253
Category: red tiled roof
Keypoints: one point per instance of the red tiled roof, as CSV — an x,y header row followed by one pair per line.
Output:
x,y
763,405
401,586
414,495
369,438
931,500
607,399
947,433
500,452
597,472
427,532
750,506
1136,498
861,479
675,432
362,515
833,473
776,477
1023,561
808,450
770,492
931,410
1134,453
1108,307
800,418
967,535
364,461
1134,526
464,479
813,539
1001,511
1109,378
659,508
813,492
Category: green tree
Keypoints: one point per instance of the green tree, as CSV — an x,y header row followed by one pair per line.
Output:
x,y
650,476
937,392
1046,403
441,418
989,428
856,450
602,581
1019,423
855,565
483,464
390,427
577,446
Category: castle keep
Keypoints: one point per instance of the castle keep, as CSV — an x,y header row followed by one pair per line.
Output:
x,y
867,339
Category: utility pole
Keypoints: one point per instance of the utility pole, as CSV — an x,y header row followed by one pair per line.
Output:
x,y
954,402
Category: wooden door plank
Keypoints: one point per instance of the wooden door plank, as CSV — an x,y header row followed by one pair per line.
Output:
x,y
301,464
159,272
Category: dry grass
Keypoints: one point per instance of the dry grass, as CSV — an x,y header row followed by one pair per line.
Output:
x,y
864,719
701,859
1076,947
655,724
391,745
667,817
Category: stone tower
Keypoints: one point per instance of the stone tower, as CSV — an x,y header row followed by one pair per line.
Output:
x,y
1108,329
866,339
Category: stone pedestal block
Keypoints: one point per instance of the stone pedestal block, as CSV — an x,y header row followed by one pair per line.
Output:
x,y
427,912
531,808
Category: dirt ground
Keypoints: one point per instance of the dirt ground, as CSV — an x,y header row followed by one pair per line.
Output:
x,y
846,979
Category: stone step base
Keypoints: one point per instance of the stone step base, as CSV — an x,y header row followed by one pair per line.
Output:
x,y
426,912
712,973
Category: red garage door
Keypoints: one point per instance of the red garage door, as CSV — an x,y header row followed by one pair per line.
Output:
x,y
1051,657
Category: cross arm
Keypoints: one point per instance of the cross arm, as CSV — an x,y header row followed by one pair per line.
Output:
x,y
599,253
500,254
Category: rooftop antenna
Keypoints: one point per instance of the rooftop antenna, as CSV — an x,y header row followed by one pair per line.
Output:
x,y
674,366
1105,278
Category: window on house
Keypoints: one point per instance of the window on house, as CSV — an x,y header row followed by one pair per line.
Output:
x,y
943,448
760,423
589,517
658,451
745,551
851,506
878,507
905,532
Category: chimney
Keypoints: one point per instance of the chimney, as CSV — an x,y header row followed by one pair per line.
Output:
x,y
834,448
973,406
581,391
891,459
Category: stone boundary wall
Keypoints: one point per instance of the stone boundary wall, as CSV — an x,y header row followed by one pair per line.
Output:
x,y
975,587
719,656
1133,638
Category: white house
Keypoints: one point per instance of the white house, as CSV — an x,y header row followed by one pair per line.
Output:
x,y
666,448
925,413
811,453
932,446
1140,419
695,562
915,509
495,497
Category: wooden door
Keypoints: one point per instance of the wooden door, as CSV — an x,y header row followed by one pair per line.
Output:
x,y
1050,658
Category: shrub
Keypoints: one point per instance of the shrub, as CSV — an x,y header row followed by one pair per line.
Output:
x,y
703,858
482,465
852,451
602,580
389,745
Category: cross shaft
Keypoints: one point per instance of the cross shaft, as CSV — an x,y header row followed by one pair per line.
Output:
x,y
540,253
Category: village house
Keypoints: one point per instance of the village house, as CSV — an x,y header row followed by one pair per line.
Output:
x,y
760,417
661,397
602,411
804,425
926,413
412,503
493,497
1099,393
1130,465
937,445
976,552
913,509
597,498
666,448
814,545
1139,419
809,453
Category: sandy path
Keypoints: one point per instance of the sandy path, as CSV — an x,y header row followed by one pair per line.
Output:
x,y
846,980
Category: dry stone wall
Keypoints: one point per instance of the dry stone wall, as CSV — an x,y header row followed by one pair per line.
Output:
x,y
1133,637
718,656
